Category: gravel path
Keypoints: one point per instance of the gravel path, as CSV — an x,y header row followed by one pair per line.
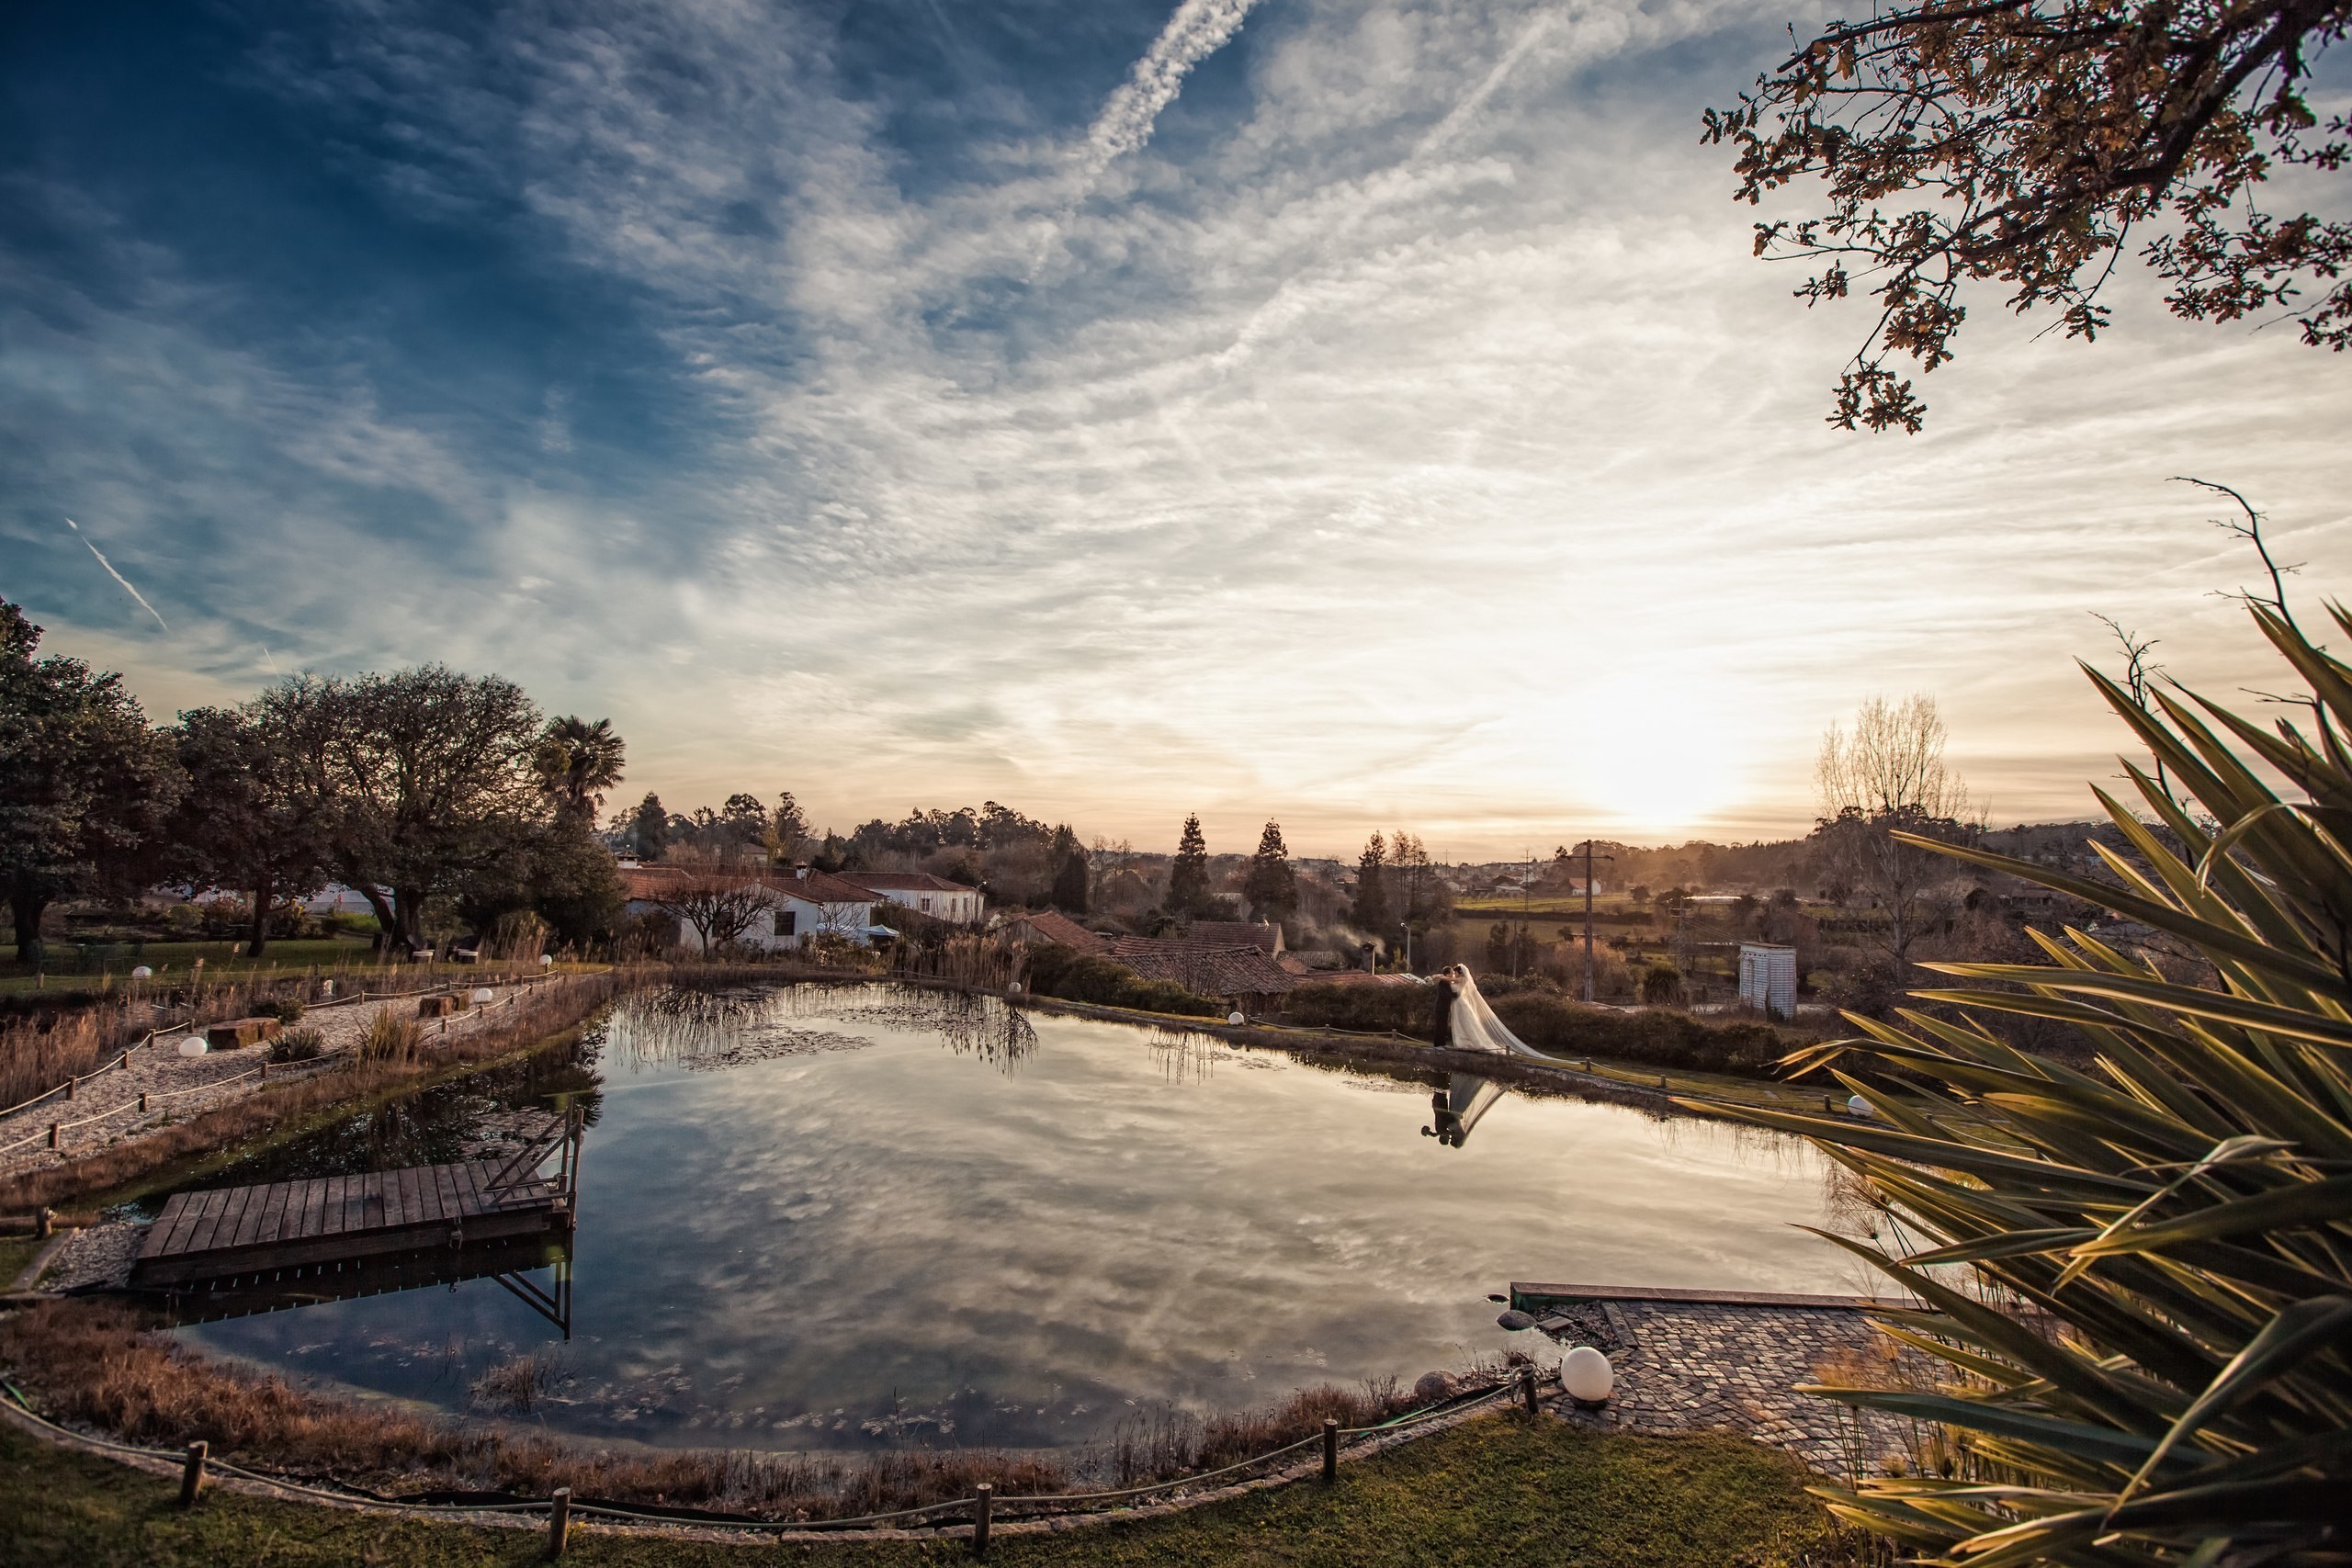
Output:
x,y
105,1107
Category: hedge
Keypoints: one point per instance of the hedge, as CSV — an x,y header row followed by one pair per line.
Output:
x,y
1058,971
1552,1023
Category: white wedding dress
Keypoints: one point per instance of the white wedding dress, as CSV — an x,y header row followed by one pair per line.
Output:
x,y
1476,1027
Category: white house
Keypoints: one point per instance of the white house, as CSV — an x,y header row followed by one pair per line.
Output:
x,y
924,894
804,903
1768,979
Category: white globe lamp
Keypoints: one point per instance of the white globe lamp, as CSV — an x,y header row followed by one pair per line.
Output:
x,y
142,972
484,994
1857,1106
1585,1372
1235,1017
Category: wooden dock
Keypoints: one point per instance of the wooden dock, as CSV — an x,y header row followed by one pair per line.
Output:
x,y
256,1231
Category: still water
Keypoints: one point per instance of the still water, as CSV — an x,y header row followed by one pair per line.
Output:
x,y
843,1217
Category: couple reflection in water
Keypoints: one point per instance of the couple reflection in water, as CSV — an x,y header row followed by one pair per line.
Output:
x,y
1465,1023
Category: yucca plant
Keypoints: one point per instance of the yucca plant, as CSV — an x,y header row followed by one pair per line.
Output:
x,y
2144,1316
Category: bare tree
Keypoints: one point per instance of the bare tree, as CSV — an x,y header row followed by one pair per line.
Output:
x,y
1884,777
720,908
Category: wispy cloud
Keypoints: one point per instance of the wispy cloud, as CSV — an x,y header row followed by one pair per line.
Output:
x,y
1198,30
1416,443
111,571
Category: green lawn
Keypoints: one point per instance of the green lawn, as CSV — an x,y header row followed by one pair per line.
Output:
x,y
1493,1492
174,962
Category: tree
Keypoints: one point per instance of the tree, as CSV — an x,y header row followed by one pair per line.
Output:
x,y
2021,143
1884,786
1188,876
425,778
244,821
787,830
578,762
720,907
1070,863
1272,887
85,782
1368,912
2165,1205
649,827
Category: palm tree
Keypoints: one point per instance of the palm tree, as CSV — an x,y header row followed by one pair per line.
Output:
x,y
578,762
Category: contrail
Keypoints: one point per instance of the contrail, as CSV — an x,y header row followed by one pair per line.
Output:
x,y
118,575
1198,30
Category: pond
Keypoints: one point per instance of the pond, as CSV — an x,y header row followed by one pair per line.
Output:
x,y
830,1217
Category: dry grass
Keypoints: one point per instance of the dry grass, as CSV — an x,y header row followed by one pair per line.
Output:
x,y
559,1006
100,1364
97,1363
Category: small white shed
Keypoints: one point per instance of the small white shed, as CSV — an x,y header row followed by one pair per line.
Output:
x,y
1768,979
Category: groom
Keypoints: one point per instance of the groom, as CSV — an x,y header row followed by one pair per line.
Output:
x,y
1441,1029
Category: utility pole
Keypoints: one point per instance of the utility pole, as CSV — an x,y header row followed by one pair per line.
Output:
x,y
1588,917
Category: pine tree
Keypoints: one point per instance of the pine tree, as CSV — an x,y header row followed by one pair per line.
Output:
x,y
1188,879
649,828
1369,914
1273,887
1068,857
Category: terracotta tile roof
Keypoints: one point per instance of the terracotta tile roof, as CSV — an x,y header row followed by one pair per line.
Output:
x,y
1266,938
905,882
651,883
1052,925
1205,969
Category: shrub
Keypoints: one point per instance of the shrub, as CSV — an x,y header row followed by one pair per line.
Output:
x,y
1371,1009
288,1009
389,1038
2149,1363
1657,1037
298,1045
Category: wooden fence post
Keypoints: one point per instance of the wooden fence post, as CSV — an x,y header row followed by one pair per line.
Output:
x,y
46,1222
192,1477
983,1504
1527,1390
53,1134
559,1521
1330,1449
143,1105
72,1087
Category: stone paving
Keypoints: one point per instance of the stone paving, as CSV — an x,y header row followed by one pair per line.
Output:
x,y
1685,1366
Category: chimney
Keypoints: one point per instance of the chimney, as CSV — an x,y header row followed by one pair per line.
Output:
x,y
800,871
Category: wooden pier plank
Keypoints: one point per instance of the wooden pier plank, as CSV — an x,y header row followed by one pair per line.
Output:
x,y
445,1184
314,1205
331,1221
216,1203
268,1212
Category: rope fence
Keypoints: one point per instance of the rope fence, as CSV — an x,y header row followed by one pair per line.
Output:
x,y
979,1506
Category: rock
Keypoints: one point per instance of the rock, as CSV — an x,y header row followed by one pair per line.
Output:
x,y
1516,1320
1433,1387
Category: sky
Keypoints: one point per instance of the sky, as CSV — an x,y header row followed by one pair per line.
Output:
x,y
1359,414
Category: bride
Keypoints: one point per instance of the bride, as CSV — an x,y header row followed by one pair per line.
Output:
x,y
1469,1024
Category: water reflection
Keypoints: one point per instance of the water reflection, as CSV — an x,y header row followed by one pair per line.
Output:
x,y
880,1243
1457,1107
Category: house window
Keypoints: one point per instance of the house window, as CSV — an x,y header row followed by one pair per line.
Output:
x,y
788,922
926,903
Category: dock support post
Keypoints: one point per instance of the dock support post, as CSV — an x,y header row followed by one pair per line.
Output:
x,y
559,1521
1330,1449
983,1504
192,1477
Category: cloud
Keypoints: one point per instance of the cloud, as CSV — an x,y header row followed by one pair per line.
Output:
x,y
111,571
1198,29
1413,440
